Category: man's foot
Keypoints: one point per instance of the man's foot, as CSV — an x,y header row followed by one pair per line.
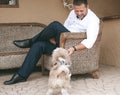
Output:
x,y
22,43
15,79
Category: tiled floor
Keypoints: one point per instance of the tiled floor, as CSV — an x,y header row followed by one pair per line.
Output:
x,y
107,84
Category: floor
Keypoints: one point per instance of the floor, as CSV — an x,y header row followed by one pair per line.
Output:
x,y
107,84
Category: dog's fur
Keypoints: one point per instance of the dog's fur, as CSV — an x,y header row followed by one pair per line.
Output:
x,y
59,78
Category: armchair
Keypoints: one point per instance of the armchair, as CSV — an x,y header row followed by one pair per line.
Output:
x,y
84,61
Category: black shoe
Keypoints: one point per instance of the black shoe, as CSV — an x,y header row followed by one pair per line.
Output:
x,y
15,79
23,43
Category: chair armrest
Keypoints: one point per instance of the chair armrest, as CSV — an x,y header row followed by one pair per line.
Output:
x,y
77,37
73,36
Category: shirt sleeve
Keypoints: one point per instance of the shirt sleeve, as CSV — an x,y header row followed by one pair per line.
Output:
x,y
92,33
68,21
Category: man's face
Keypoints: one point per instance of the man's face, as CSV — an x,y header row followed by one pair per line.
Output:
x,y
80,10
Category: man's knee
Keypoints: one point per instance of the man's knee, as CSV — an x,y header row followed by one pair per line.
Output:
x,y
56,23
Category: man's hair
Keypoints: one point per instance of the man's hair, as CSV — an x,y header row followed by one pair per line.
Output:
x,y
79,2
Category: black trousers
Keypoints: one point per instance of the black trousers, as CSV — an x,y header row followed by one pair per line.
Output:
x,y
40,46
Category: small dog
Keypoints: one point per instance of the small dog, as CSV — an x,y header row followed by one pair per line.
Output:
x,y
59,78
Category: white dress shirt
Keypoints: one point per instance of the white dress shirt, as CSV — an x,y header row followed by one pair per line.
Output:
x,y
89,24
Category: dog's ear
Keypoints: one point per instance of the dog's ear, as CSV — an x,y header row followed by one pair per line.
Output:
x,y
55,64
51,65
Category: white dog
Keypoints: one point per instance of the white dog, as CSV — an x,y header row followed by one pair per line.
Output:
x,y
59,78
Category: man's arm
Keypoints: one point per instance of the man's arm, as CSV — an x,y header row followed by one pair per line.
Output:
x,y
76,48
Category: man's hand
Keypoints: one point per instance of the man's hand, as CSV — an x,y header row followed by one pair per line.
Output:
x,y
76,48
71,51
52,40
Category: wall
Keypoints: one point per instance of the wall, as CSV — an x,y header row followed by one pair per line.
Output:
x,y
105,8
43,11
110,46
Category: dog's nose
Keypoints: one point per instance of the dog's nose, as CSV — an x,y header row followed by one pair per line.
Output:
x,y
62,62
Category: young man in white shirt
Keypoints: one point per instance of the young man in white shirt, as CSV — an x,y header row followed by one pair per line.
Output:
x,y
80,19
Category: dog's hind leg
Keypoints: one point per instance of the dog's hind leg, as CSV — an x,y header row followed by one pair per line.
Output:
x,y
64,91
49,92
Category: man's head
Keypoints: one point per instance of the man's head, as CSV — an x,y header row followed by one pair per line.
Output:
x,y
80,7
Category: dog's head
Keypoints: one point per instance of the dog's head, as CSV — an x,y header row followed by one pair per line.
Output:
x,y
60,56
61,69
60,62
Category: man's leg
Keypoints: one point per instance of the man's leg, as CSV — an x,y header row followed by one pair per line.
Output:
x,y
53,30
34,54
31,59
36,51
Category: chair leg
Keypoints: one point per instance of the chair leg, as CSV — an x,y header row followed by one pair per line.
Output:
x,y
44,70
95,74
42,65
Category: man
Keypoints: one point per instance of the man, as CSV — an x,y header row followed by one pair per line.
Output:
x,y
80,19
